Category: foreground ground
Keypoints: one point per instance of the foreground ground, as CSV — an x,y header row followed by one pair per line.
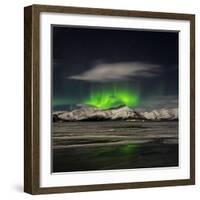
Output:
x,y
83,146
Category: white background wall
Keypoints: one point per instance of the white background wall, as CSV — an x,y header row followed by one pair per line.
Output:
x,y
11,99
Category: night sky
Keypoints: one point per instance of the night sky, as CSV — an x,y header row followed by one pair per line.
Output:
x,y
110,67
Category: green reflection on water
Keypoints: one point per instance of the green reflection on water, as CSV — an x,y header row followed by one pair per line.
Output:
x,y
129,148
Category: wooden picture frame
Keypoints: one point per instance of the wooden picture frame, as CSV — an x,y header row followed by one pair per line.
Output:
x,y
32,106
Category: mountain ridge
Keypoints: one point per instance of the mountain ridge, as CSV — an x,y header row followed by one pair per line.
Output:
x,y
89,113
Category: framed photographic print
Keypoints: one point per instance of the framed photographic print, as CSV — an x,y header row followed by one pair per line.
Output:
x,y
109,99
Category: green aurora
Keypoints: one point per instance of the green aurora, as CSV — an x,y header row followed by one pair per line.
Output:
x,y
105,99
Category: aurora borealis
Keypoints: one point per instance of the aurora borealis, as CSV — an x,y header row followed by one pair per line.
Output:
x,y
105,98
112,98
110,68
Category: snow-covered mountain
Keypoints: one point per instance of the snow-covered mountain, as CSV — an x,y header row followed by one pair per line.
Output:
x,y
87,113
161,114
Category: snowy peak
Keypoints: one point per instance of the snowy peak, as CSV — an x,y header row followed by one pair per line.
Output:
x,y
161,114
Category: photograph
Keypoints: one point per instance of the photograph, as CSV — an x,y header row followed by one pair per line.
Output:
x,y
114,98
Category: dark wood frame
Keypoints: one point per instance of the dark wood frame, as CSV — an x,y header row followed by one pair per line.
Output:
x,y
32,106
